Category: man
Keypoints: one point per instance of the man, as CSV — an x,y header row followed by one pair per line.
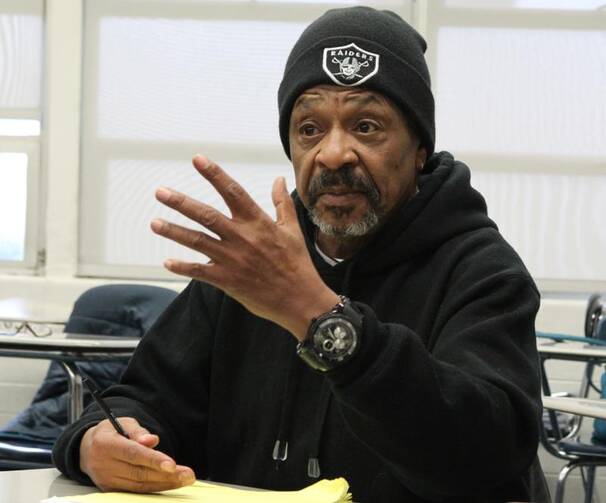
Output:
x,y
379,329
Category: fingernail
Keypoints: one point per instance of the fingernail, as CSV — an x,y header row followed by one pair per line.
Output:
x,y
203,162
186,477
157,224
163,194
167,466
168,263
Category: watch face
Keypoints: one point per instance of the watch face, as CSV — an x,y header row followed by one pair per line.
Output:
x,y
335,338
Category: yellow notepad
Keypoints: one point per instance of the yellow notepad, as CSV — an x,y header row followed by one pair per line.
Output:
x,y
324,491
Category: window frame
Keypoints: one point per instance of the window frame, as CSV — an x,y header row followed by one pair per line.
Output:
x,y
33,256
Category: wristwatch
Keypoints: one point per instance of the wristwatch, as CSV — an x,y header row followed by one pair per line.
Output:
x,y
332,338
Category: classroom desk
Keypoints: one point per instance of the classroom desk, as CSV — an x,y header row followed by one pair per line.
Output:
x,y
67,349
570,351
573,351
579,406
17,309
32,486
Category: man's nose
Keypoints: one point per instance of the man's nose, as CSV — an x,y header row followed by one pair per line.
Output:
x,y
337,150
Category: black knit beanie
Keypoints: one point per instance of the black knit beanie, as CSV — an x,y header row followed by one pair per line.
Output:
x,y
361,46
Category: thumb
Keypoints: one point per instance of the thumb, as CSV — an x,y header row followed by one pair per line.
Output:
x,y
285,208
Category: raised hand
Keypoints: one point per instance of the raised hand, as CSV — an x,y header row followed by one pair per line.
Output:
x,y
262,263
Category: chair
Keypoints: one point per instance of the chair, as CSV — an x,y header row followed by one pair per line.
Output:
x,y
560,434
116,310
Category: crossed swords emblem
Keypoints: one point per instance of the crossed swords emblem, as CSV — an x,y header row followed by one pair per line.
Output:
x,y
349,67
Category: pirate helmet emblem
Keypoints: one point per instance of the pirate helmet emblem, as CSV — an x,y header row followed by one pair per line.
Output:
x,y
349,65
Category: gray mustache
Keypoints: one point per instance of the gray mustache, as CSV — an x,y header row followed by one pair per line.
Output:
x,y
342,177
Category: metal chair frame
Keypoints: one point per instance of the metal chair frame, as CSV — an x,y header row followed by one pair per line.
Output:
x,y
595,329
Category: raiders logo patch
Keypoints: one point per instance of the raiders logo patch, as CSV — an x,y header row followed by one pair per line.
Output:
x,y
349,65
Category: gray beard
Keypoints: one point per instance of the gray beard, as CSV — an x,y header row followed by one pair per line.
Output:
x,y
345,176
364,226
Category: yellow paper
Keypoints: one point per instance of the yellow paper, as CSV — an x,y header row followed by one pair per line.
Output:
x,y
324,491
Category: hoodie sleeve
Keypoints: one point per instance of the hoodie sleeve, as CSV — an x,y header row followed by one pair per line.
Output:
x,y
165,386
460,412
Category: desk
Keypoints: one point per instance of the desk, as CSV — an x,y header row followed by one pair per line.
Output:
x,y
570,351
573,351
20,309
579,406
68,349
32,486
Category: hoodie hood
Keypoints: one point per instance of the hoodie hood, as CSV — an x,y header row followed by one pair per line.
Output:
x,y
445,207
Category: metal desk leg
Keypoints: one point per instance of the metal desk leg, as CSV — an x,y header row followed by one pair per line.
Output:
x,y
75,405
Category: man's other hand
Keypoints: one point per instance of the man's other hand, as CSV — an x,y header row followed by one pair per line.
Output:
x,y
129,464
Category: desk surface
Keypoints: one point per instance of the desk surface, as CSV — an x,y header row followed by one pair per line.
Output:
x,y
32,486
580,406
20,309
571,351
68,347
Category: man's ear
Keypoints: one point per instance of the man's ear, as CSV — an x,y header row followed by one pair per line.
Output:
x,y
420,158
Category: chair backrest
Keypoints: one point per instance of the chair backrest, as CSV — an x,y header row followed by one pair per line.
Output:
x,y
595,317
116,310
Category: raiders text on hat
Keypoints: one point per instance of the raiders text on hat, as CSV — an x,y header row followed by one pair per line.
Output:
x,y
349,65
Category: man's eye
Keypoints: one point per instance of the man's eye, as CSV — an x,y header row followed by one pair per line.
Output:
x,y
366,127
308,130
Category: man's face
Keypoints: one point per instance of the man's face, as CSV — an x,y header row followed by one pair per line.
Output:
x,y
354,156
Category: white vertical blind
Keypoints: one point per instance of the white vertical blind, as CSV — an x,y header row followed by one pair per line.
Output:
x,y
523,91
20,60
554,221
130,202
191,80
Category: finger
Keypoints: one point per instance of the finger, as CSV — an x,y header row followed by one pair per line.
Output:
x,y
136,432
150,440
203,272
285,208
139,486
202,213
143,437
141,479
133,429
134,453
237,199
196,240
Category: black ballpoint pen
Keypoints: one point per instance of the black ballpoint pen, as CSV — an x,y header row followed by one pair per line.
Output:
x,y
103,406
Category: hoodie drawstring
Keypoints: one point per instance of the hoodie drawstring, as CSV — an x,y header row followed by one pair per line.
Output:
x,y
313,462
280,450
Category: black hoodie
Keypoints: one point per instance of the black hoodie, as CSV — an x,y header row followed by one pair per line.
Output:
x,y
441,402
